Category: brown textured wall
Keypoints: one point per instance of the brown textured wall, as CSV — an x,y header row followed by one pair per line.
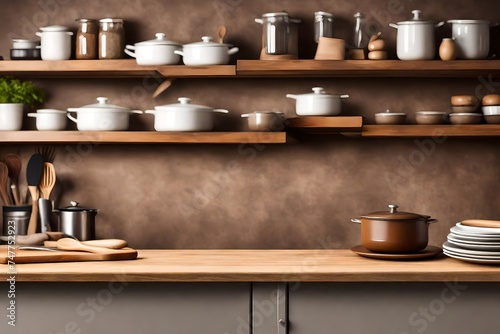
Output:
x,y
266,196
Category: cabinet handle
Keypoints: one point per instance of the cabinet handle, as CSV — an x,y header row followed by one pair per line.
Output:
x,y
282,322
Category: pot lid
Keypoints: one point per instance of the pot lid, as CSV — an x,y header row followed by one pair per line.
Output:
x,y
184,103
469,22
22,40
50,111
318,93
276,14
159,40
255,113
110,20
103,105
206,42
54,28
416,19
75,208
389,113
394,214
323,14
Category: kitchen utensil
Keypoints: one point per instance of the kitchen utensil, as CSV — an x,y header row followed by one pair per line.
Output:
x,y
11,116
55,42
14,164
221,34
464,100
279,34
318,103
158,51
448,49
23,44
206,53
184,116
390,118
72,245
34,172
481,223
50,119
4,181
86,39
323,25
472,38
45,210
102,116
430,117
16,219
77,221
111,38
330,49
48,180
265,121
48,152
429,251
44,256
23,239
105,243
491,100
415,38
25,54
466,118
394,232
163,87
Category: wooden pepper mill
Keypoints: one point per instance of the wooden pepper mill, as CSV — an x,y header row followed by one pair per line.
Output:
x,y
376,48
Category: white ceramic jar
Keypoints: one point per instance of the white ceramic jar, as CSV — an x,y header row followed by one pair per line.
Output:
x,y
318,103
55,43
472,38
206,53
50,119
415,40
11,116
159,51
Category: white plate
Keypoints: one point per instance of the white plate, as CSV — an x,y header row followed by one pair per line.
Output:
x,y
474,239
477,257
473,245
469,259
469,252
458,231
479,230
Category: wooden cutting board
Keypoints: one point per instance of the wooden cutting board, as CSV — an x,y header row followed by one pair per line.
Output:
x,y
481,223
41,256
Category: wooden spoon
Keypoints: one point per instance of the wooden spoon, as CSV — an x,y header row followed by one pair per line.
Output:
x,y
14,164
481,223
48,180
34,172
221,33
75,245
163,87
104,243
4,180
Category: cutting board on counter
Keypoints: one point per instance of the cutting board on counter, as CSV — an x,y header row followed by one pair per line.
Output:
x,y
42,256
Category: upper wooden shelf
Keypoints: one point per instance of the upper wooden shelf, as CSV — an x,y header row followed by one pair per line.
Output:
x,y
120,68
141,137
469,130
366,68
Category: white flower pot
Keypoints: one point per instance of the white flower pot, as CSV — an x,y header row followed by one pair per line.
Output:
x,y
11,116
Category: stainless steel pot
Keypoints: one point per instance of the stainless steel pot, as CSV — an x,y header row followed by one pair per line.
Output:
x,y
279,36
77,221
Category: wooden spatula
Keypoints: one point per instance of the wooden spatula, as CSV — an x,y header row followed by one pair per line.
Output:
x,y
481,223
104,243
34,172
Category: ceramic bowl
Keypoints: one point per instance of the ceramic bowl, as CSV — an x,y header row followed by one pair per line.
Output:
x,y
492,119
464,100
390,118
491,110
463,109
491,100
50,119
265,121
466,118
430,117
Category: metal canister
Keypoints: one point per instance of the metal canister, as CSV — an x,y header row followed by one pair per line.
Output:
x,y
77,221
16,219
276,29
111,39
323,25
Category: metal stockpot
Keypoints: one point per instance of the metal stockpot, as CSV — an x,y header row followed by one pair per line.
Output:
x,y
77,221
279,37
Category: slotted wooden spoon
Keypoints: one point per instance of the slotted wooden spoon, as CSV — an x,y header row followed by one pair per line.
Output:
x,y
4,180
48,180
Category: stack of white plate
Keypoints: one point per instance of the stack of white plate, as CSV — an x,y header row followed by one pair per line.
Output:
x,y
473,244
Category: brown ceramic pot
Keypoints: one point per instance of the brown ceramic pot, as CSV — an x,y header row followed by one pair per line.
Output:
x,y
393,231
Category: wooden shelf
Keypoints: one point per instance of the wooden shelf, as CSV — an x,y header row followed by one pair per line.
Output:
x,y
326,124
119,68
473,130
366,68
141,137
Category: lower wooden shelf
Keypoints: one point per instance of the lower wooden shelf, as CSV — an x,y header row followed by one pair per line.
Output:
x,y
469,130
141,137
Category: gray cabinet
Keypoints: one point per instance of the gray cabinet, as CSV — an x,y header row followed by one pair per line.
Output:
x,y
129,308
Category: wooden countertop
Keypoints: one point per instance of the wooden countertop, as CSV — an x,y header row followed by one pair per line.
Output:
x,y
255,266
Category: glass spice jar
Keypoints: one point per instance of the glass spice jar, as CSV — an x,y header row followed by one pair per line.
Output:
x,y
111,39
86,39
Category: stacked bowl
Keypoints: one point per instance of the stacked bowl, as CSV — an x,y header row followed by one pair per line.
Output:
x,y
464,110
491,108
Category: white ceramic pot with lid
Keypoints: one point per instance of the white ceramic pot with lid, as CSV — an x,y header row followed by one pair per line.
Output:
x,y
102,116
184,116
158,51
318,103
415,40
50,119
206,53
472,38
55,42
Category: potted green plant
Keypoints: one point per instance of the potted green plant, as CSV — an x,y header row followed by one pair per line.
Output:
x,y
14,94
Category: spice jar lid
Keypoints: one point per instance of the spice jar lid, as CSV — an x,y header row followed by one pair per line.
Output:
x,y
394,214
85,20
110,20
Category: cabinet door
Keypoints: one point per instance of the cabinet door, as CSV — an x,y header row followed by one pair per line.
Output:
x,y
270,308
398,308
128,308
